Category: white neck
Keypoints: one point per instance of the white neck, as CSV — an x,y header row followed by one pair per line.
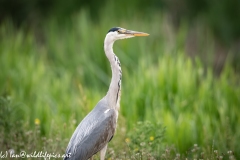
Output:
x,y
114,91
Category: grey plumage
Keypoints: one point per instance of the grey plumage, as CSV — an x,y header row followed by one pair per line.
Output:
x,y
100,123
98,127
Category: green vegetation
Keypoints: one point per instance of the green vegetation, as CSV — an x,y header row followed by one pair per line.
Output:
x,y
51,76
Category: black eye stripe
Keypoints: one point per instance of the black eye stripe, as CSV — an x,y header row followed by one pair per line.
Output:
x,y
114,29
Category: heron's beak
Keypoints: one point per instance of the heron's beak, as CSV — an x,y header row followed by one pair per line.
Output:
x,y
133,33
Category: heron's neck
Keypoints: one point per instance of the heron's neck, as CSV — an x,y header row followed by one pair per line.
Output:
x,y
114,91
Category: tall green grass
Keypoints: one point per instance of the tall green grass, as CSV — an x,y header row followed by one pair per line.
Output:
x,y
58,73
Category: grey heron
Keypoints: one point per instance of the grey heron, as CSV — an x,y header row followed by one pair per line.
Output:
x,y
98,127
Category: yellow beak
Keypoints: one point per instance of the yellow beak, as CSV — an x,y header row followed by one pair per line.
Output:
x,y
134,33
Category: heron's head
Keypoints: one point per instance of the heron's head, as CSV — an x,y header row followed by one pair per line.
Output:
x,y
121,33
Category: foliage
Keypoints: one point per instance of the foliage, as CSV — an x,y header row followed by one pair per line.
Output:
x,y
11,125
146,140
222,17
57,74
18,137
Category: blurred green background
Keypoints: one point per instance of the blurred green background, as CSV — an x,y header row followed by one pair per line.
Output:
x,y
185,75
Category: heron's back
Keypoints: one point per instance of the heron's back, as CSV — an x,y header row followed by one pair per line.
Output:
x,y
93,133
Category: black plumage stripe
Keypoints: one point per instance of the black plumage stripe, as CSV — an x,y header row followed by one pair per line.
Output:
x,y
114,29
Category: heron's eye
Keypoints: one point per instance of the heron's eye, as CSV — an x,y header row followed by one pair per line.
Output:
x,y
118,31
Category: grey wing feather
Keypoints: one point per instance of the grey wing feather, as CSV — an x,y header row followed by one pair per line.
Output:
x,y
93,133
